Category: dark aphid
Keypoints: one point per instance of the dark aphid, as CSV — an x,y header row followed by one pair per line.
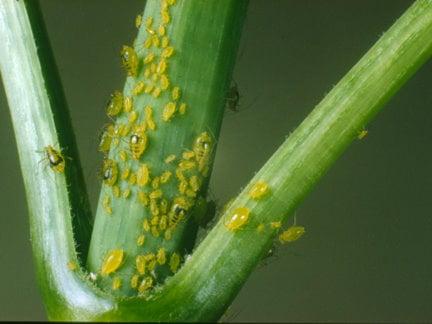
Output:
x,y
55,158
233,98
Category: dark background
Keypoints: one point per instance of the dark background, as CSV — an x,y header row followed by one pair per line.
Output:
x,y
366,255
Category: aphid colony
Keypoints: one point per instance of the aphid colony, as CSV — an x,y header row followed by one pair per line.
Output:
x,y
167,191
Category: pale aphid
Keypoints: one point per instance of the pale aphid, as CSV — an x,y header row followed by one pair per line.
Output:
x,y
113,260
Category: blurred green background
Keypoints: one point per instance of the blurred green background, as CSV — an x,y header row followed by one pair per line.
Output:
x,y
366,254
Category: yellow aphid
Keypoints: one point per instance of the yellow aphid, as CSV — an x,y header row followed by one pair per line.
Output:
x,y
116,284
170,158
126,193
163,223
168,51
182,186
174,262
109,172
141,240
259,190
149,21
132,179
155,78
191,193
164,82
149,58
140,262
195,183
143,175
72,266
202,148
239,217
168,234
188,155
133,116
55,159
163,206
127,104
123,155
276,224
362,134
171,2
166,175
143,198
260,228
161,67
112,262
149,117
182,108
177,214
129,60
106,139
139,88
165,16
134,281
180,175
155,40
169,111
106,204
155,194
116,191
150,31
146,225
175,93
149,88
153,68
154,209
155,182
125,173
155,232
138,21
162,30
138,143
186,165
161,256
125,130
165,42
146,284
154,220
156,92
148,42
115,104
291,234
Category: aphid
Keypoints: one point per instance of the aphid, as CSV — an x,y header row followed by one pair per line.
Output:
x,y
202,149
182,108
163,223
116,191
143,175
164,206
55,159
259,190
138,143
133,116
167,51
174,262
233,98
149,117
134,281
146,225
129,60
148,42
112,262
140,262
151,261
154,220
177,214
149,88
165,16
143,198
132,179
238,218
362,134
146,284
127,104
164,82
156,92
106,139
106,204
186,165
195,183
162,30
276,225
125,173
115,104
141,240
138,21
169,111
155,231
126,193
188,155
154,209
72,266
123,155
291,234
165,42
155,40
138,88
161,67
168,234
260,228
149,58
149,21
155,182
116,284
170,158
161,256
175,94
165,176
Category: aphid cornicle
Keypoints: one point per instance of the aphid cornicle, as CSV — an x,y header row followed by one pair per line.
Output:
x,y
129,60
55,158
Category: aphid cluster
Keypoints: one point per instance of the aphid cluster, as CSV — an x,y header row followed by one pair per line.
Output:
x,y
167,191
